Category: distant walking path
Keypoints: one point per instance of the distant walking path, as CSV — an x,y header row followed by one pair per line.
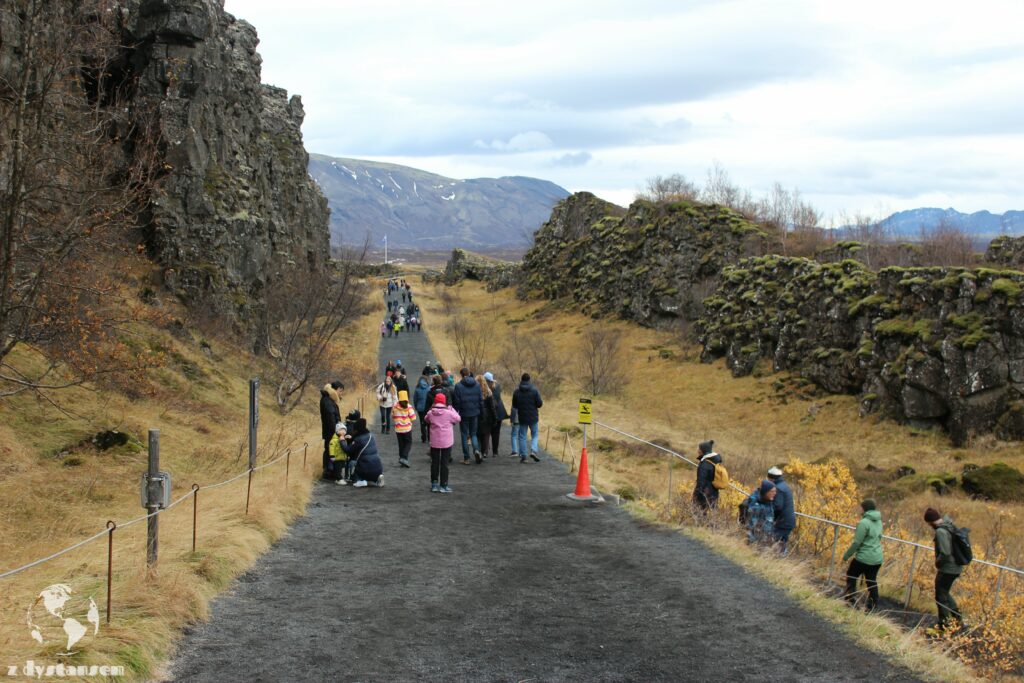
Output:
x,y
503,580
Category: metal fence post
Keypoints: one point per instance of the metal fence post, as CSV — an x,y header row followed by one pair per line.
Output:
x,y
287,466
153,490
835,546
910,578
668,500
111,525
248,492
547,439
195,512
305,447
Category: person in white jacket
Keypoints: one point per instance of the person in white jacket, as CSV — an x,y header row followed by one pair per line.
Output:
x,y
387,397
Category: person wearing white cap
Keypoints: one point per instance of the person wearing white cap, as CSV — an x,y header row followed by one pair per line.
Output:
x,y
785,513
497,413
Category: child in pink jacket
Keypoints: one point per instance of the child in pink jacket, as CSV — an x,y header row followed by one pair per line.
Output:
x,y
441,417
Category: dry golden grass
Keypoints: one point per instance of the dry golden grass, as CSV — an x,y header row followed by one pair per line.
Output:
x,y
55,491
670,398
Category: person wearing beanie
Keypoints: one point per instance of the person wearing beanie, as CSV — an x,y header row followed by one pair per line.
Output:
x,y
785,511
705,495
441,418
364,461
866,551
402,416
761,513
946,571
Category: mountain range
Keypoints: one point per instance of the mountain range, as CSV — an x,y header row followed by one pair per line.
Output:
x,y
421,210
981,225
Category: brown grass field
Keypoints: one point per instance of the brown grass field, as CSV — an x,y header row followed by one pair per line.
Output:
x,y
56,490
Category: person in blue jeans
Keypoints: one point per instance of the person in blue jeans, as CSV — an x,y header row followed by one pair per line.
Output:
x,y
468,401
514,417
526,402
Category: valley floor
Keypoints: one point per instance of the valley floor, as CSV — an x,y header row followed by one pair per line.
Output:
x,y
505,579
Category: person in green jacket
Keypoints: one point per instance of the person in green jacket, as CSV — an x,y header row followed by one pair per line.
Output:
x,y
947,570
866,551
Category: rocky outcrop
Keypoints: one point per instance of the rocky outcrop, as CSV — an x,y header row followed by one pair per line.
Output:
x,y
235,208
923,345
465,265
1007,252
653,263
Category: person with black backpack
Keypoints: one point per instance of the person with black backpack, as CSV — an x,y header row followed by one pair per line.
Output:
x,y
950,559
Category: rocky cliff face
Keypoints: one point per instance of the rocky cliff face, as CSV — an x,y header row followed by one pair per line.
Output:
x,y
1007,252
236,207
922,345
465,265
652,263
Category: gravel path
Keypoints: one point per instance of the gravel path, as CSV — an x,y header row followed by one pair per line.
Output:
x,y
503,580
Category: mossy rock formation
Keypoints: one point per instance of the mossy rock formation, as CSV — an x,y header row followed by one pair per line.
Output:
x,y
465,265
995,482
652,263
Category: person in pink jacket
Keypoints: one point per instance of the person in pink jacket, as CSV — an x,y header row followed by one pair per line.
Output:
x,y
441,417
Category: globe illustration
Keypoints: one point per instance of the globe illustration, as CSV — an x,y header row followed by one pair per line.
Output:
x,y
58,616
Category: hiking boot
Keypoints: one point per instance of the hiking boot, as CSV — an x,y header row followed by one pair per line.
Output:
x,y
479,458
522,460
514,454
535,457
403,463
360,484
380,482
465,461
446,489
435,487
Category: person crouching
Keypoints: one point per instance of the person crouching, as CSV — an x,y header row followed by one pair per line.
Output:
x,y
361,449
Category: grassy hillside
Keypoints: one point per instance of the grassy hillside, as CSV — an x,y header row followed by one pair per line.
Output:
x,y
57,487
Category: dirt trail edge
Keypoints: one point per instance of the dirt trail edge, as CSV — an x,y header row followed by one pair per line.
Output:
x,y
503,580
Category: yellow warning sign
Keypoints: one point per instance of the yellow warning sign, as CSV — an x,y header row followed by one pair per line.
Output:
x,y
586,416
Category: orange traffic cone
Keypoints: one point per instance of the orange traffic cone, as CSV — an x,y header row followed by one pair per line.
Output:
x,y
583,490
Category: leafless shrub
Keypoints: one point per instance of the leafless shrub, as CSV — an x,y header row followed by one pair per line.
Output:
x,y
947,245
304,313
471,339
599,367
672,188
520,354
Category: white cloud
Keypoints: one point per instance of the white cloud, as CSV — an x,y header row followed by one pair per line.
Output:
x,y
520,142
860,105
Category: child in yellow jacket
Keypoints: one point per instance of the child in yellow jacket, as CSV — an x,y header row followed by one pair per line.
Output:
x,y
339,460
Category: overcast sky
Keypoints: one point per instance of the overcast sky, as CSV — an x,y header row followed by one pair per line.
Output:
x,y
871,106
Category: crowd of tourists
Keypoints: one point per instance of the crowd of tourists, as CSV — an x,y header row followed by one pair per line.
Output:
x,y
472,407
402,313
769,517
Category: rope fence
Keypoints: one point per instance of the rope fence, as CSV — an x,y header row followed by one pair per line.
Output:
x,y
193,494
832,545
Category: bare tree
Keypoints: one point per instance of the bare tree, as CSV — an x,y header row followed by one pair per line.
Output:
x,y
599,368
947,245
471,340
673,188
304,313
522,354
76,163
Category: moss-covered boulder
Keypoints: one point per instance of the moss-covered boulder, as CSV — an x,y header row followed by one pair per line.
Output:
x,y
1006,251
465,265
995,482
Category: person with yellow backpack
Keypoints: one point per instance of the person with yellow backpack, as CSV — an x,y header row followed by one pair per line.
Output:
x,y
711,477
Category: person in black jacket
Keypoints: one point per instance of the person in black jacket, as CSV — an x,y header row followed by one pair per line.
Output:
x,y
785,512
330,415
361,449
705,495
468,401
500,415
526,401
401,380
